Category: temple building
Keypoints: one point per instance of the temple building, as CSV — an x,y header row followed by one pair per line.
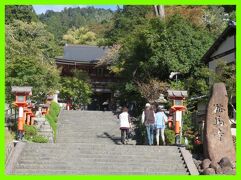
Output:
x,y
222,50
85,58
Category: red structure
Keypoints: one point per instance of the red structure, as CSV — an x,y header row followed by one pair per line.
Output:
x,y
45,108
29,115
176,110
21,94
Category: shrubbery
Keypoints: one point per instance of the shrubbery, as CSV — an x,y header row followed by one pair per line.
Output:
x,y
40,139
30,132
52,116
31,135
169,136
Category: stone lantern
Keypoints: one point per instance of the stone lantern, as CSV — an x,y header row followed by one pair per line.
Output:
x,y
21,94
176,110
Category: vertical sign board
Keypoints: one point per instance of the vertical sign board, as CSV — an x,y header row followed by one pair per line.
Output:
x,y
218,138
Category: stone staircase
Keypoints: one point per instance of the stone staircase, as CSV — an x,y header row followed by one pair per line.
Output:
x,y
88,142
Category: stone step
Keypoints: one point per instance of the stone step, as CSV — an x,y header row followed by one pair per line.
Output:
x,y
123,160
45,125
102,166
107,147
89,158
93,152
46,130
103,160
46,134
87,130
82,126
94,125
89,139
87,144
87,119
86,134
98,150
97,171
91,164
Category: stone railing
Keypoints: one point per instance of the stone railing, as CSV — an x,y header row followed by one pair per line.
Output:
x,y
44,128
9,148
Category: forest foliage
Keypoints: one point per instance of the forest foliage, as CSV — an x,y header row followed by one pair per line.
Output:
x,y
152,48
143,47
58,23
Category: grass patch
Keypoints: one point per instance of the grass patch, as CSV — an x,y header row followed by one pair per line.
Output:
x,y
40,139
169,136
29,131
9,136
52,117
31,134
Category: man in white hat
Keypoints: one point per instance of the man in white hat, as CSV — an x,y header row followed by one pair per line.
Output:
x,y
148,118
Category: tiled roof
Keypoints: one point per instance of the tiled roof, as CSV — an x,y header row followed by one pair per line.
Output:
x,y
21,89
229,31
172,93
83,53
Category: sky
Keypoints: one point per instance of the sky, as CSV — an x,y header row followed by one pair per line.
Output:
x,y
43,8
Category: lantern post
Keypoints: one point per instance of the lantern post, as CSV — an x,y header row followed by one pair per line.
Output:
x,y
176,110
21,93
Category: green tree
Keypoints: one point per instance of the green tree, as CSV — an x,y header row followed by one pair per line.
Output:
x,y
29,59
215,19
80,36
58,23
26,71
75,90
156,48
227,74
125,21
24,38
20,12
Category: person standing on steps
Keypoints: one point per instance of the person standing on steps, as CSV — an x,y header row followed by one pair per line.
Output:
x,y
148,118
124,125
106,105
161,119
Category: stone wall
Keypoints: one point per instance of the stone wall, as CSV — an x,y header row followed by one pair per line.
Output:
x,y
44,128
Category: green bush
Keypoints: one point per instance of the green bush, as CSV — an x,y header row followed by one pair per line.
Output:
x,y
140,133
30,131
31,135
52,122
52,116
169,136
40,139
54,110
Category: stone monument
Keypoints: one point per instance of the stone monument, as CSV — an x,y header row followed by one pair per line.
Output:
x,y
218,138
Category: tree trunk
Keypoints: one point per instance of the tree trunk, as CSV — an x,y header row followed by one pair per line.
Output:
x,y
159,11
156,11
